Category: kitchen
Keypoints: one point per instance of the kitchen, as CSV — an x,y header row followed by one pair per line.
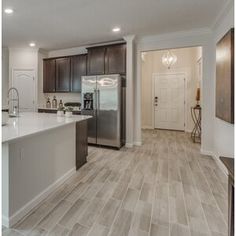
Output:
x,y
75,158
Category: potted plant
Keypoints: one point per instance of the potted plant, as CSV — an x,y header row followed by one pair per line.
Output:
x,y
69,111
60,111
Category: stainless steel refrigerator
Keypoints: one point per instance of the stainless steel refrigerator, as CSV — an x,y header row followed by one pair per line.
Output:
x,y
103,97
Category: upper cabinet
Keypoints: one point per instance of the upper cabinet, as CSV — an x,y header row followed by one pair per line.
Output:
x,y
96,61
49,75
63,74
115,60
109,59
78,69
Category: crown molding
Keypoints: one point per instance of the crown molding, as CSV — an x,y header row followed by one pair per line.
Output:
x,y
223,12
178,34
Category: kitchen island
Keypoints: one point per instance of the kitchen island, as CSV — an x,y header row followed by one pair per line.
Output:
x,y
39,152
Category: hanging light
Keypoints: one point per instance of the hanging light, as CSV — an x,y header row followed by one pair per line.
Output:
x,y
169,59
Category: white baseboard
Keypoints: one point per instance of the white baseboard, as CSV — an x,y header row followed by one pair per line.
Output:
x,y
8,222
138,143
147,127
217,159
129,145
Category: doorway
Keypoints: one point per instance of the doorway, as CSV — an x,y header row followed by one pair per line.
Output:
x,y
24,82
169,101
170,91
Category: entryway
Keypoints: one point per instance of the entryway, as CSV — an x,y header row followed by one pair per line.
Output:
x,y
171,88
169,101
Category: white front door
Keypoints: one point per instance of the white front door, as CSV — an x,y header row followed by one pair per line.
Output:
x,y
169,101
24,81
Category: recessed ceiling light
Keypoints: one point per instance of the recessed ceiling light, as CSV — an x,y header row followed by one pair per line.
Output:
x,y
116,29
8,11
32,44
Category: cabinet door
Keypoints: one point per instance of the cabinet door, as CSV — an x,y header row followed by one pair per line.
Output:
x,y
78,69
81,143
63,75
96,61
116,59
49,76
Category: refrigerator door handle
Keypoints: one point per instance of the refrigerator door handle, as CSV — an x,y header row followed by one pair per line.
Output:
x,y
98,100
95,102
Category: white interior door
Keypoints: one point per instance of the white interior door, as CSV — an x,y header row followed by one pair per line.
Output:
x,y
24,81
169,101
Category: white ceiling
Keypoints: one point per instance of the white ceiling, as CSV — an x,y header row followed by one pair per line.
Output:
x,y
56,24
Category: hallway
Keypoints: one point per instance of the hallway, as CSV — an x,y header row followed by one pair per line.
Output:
x,y
163,188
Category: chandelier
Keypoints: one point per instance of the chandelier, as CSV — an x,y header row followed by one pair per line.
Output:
x,y
169,59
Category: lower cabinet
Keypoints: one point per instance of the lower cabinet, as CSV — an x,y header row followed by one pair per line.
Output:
x,y
81,143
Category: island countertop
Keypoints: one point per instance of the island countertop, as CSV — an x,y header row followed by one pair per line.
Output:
x,y
30,123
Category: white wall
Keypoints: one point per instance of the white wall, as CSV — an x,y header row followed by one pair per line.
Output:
x,y
223,131
5,76
187,63
23,58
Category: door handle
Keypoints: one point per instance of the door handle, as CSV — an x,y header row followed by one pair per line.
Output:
x,y
98,101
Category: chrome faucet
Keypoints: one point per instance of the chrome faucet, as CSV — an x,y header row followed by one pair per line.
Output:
x,y
15,111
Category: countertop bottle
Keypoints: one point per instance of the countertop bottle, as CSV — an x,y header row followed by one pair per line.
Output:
x,y
48,103
54,102
60,104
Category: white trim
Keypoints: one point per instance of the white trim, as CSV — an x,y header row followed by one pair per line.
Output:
x,y
218,161
35,83
129,145
8,222
147,127
138,143
229,4
175,35
185,89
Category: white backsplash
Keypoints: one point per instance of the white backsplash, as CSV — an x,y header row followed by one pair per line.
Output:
x,y
65,97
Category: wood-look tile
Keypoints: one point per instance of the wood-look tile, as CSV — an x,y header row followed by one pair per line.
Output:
x,y
159,230
99,230
164,186
11,232
214,219
142,216
147,193
72,215
91,212
130,199
122,223
79,230
179,230
58,231
108,213
76,192
51,219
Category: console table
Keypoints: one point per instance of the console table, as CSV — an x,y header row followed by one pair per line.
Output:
x,y
196,116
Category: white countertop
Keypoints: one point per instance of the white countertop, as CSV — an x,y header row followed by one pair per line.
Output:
x,y
30,123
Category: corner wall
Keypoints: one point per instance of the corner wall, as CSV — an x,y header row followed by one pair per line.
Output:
x,y
223,131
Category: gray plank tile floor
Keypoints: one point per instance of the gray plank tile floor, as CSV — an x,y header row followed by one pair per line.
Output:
x,y
163,188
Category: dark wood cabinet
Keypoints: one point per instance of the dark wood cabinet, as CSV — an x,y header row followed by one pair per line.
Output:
x,y
109,59
49,76
96,61
81,143
63,75
78,69
115,60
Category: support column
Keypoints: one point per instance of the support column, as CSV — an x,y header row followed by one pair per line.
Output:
x,y
129,90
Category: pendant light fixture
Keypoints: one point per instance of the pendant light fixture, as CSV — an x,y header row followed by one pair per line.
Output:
x,y
169,59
